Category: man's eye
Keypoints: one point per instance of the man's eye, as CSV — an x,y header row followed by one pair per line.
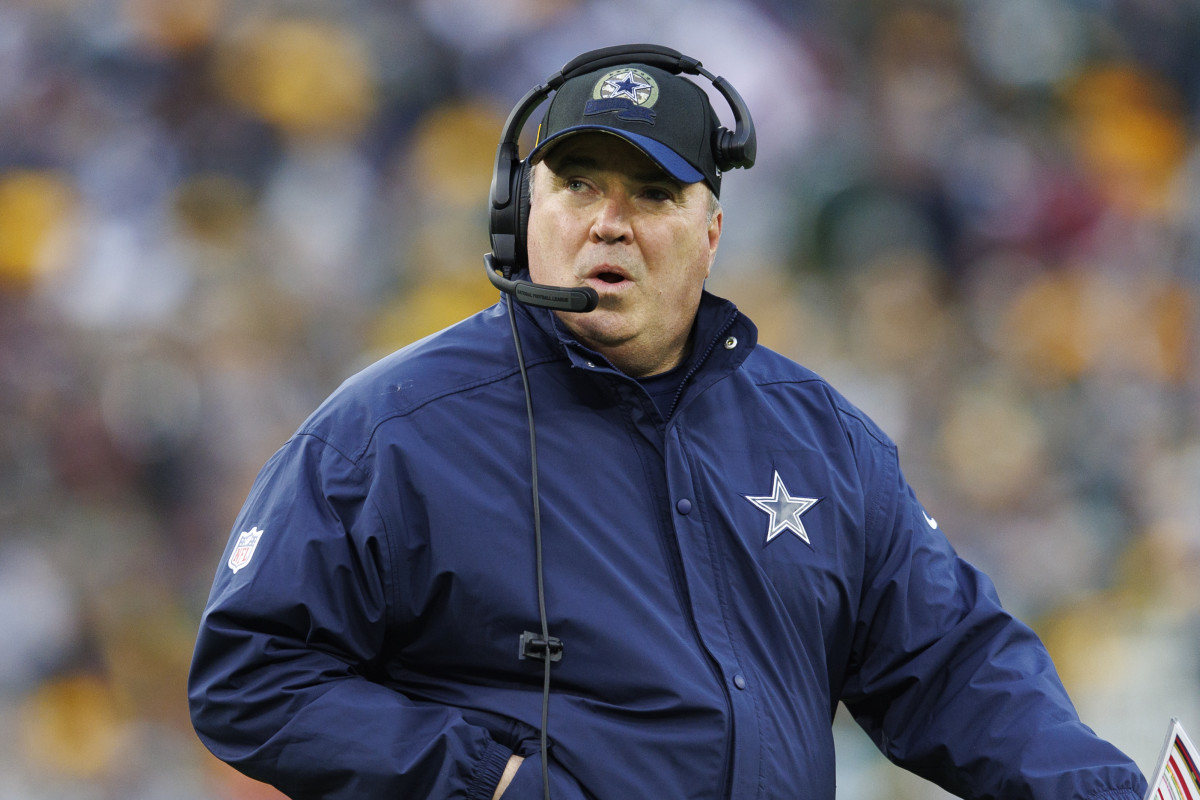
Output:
x,y
656,194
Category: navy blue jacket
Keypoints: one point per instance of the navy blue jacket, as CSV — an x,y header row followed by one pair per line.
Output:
x,y
720,578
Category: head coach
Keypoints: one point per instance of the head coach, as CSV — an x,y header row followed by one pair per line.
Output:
x,y
596,542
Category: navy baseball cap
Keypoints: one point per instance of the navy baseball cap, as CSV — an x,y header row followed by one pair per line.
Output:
x,y
667,117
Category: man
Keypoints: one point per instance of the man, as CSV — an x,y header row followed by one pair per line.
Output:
x,y
730,548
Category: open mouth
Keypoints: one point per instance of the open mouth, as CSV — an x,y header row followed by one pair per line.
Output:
x,y
611,277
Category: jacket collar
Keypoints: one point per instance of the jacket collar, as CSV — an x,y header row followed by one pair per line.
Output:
x,y
722,336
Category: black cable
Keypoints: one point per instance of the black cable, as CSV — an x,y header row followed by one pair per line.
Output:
x,y
537,546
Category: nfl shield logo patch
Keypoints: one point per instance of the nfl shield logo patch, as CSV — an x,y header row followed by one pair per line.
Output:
x,y
243,551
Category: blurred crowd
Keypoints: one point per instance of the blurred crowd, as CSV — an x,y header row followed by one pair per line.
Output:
x,y
980,220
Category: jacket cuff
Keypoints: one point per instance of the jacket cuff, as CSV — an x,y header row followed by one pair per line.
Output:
x,y
486,776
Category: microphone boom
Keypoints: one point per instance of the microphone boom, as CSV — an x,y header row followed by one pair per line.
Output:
x,y
560,298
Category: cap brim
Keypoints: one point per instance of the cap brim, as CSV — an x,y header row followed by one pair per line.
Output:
x,y
672,163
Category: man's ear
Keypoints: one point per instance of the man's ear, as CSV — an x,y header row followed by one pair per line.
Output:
x,y
714,235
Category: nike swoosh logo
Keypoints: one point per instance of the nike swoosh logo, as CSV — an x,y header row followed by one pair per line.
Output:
x,y
932,522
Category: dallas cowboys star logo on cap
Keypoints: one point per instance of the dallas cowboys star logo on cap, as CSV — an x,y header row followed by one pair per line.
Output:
x,y
627,85
784,510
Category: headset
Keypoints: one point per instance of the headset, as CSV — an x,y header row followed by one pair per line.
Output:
x,y
509,194
509,212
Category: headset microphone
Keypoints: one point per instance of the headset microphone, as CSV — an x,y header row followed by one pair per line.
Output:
x,y
559,298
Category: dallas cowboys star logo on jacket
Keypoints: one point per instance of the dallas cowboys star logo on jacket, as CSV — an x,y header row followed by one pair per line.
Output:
x,y
784,510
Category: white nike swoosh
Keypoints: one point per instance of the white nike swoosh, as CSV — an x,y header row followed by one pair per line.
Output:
x,y
932,522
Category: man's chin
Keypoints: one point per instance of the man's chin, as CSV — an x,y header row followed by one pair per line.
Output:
x,y
601,329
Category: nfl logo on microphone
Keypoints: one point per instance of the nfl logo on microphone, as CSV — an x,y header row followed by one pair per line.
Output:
x,y
243,551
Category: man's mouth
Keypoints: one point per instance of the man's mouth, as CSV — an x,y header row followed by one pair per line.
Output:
x,y
610,275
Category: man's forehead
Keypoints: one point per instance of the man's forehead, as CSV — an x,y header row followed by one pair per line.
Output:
x,y
598,150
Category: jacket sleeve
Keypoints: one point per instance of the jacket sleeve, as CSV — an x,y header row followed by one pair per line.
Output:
x,y
280,684
950,685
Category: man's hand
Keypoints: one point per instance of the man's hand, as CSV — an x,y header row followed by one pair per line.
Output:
x,y
510,769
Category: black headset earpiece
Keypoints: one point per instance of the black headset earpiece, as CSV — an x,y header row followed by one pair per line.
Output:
x,y
738,147
509,196
524,175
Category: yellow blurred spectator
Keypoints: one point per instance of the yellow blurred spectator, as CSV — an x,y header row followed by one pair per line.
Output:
x,y
34,205
453,149
1066,324
73,727
1131,133
309,77
428,307
449,166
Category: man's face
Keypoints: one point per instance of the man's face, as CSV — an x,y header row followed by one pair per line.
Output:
x,y
604,215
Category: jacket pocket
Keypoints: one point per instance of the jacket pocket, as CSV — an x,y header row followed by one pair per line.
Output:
x,y
527,783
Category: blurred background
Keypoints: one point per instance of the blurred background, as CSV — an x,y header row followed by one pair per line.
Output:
x,y
979,220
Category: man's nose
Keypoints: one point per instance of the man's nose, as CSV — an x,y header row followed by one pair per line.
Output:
x,y
612,222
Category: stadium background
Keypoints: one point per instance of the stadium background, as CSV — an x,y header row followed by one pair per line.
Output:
x,y
980,220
